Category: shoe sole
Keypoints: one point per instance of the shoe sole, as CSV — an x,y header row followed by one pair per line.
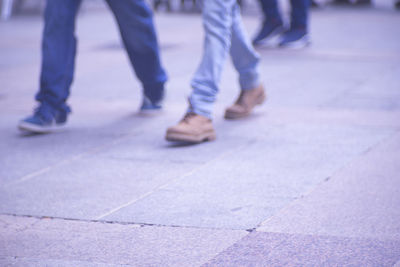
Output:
x,y
29,127
299,44
271,41
233,116
179,137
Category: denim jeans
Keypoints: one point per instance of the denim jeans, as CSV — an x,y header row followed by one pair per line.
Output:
x,y
299,12
135,22
224,34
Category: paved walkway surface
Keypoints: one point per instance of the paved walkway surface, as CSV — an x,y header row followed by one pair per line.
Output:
x,y
312,178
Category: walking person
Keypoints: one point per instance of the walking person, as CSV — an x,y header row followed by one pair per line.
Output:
x,y
134,18
224,34
274,31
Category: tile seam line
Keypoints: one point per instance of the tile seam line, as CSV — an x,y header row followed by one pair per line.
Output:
x,y
335,173
171,181
66,161
57,259
140,224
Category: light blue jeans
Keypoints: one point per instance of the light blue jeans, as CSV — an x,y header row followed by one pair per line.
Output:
x,y
224,33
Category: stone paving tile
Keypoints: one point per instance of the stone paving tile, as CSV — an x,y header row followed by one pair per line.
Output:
x,y
35,262
152,147
21,155
361,200
88,187
328,104
369,94
279,249
250,184
65,241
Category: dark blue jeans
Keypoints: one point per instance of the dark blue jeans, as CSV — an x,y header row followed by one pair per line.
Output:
x,y
299,12
135,22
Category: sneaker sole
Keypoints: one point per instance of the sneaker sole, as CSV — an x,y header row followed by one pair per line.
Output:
x,y
270,41
233,116
179,137
33,128
299,44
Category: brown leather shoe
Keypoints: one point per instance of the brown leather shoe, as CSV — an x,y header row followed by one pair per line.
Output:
x,y
247,100
192,128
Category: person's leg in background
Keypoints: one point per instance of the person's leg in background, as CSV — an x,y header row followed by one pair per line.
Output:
x,y
135,20
297,36
57,69
272,24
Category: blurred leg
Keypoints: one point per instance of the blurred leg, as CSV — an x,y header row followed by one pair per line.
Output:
x,y
272,25
217,23
299,14
135,20
270,10
244,57
58,52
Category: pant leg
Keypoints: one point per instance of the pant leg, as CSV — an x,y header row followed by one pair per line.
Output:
x,y
217,23
135,21
244,57
299,14
270,10
58,52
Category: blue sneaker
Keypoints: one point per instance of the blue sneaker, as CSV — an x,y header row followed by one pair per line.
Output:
x,y
269,33
353,2
150,108
295,38
45,120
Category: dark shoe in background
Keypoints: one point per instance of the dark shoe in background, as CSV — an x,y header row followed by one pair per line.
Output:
x,y
295,38
397,4
353,2
268,33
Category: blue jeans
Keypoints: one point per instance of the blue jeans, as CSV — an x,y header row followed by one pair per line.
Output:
x,y
224,34
299,12
135,22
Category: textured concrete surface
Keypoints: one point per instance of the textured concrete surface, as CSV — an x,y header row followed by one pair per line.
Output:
x,y
273,249
81,243
364,195
263,183
312,178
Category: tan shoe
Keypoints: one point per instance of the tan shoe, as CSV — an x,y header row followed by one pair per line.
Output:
x,y
247,100
192,128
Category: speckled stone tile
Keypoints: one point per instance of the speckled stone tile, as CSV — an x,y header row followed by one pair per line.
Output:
x,y
65,242
361,200
278,249
88,188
